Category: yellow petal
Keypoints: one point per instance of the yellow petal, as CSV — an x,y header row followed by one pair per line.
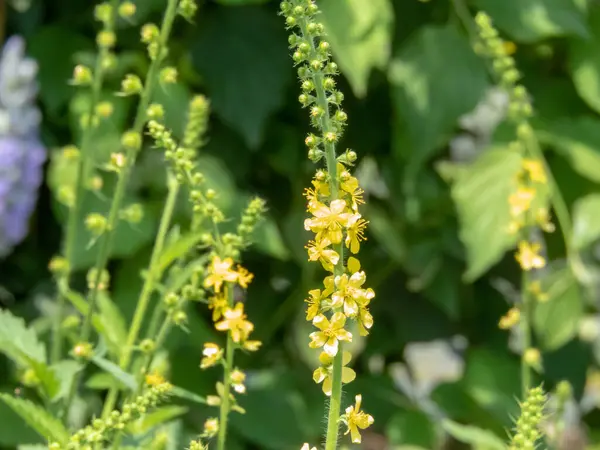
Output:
x,y
331,346
338,320
353,264
348,375
321,322
327,387
318,339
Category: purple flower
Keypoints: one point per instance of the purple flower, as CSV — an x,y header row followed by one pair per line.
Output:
x,y
22,155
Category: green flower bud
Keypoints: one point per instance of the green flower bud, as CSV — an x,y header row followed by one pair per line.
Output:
x,y
96,223
58,265
66,195
147,346
103,12
83,351
106,39
149,33
133,213
127,10
104,109
155,111
103,281
187,9
131,140
131,85
168,75
82,75
179,318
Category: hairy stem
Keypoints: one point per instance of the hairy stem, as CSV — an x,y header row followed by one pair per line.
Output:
x,y
106,239
225,401
83,168
526,332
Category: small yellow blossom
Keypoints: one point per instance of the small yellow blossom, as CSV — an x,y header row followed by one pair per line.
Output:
x,y
532,357
319,251
154,379
535,171
355,232
212,355
237,381
510,319
244,277
314,303
331,333
521,200
357,419
324,373
528,256
350,186
220,271
365,321
350,294
328,221
235,321
252,346
218,304
211,427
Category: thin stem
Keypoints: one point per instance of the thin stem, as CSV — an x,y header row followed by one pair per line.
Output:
x,y
152,276
526,332
331,162
225,401
106,238
83,168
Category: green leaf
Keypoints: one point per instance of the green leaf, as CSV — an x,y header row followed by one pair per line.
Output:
x,y
533,20
46,425
436,78
578,140
586,221
187,395
360,34
14,430
411,427
556,321
584,63
177,248
481,196
64,371
119,374
114,326
155,418
53,47
19,342
247,77
479,439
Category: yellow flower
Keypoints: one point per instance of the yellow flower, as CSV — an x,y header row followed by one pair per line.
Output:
x,y
365,321
350,185
314,303
324,373
318,251
212,355
510,319
331,333
155,379
350,294
237,381
535,288
321,189
355,232
328,221
235,321
218,304
521,200
528,256
535,171
244,277
220,271
252,346
211,427
356,419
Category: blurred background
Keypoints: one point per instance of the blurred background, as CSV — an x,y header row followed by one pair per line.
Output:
x,y
421,106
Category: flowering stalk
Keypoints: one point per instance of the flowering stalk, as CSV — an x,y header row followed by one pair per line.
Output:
x,y
83,76
333,202
131,142
526,432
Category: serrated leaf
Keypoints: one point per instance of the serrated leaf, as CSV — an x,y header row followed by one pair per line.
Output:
x,y
481,196
247,77
45,424
436,78
578,140
586,221
19,342
360,34
119,374
478,438
556,320
532,20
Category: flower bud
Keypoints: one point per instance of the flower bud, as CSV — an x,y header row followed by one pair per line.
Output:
x,y
58,265
103,12
187,9
104,109
149,33
131,85
147,346
106,39
96,223
127,10
155,111
82,75
133,213
168,75
83,350
131,140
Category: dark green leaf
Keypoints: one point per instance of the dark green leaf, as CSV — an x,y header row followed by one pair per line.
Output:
x,y
360,34
247,77
586,221
584,63
19,342
119,374
533,20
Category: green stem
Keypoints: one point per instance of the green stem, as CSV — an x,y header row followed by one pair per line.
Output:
x,y
526,332
83,168
331,162
106,238
225,401
152,276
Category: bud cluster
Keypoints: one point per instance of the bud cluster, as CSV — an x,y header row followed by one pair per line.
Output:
x,y
527,432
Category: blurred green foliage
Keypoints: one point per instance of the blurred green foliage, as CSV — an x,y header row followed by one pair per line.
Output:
x,y
409,74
